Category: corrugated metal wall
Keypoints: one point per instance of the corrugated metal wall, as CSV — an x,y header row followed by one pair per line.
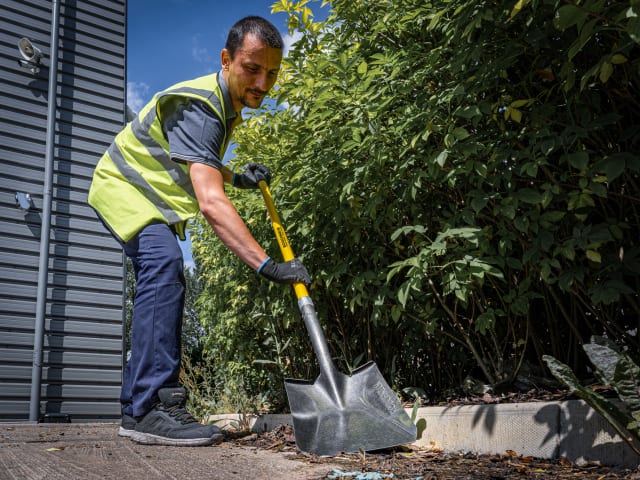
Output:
x,y
82,363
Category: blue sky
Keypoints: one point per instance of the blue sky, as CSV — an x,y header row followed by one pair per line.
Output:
x,y
169,41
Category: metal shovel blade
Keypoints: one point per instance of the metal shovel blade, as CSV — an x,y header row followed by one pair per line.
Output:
x,y
341,413
338,413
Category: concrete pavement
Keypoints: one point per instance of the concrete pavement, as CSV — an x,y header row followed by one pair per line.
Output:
x,y
94,451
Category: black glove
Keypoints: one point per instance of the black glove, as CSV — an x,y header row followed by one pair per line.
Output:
x,y
288,272
251,176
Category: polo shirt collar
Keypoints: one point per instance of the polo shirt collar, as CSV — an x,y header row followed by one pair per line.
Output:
x,y
231,114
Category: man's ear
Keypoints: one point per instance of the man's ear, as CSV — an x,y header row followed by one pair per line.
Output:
x,y
225,59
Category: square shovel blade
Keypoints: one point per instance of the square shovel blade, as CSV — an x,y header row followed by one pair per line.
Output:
x,y
347,413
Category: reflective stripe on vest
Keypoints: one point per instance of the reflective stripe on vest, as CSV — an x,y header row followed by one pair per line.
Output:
x,y
136,182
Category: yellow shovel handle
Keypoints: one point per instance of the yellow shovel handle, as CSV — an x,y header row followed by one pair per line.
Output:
x,y
283,242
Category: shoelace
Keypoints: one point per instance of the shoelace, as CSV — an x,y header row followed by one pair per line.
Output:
x,y
180,413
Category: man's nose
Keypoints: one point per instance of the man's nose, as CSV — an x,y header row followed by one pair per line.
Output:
x,y
262,82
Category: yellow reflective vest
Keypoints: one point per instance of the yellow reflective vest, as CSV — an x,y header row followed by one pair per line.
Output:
x,y
136,183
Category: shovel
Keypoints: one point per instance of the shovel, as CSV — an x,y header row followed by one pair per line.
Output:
x,y
337,412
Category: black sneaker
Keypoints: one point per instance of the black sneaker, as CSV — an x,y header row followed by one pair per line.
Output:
x,y
169,423
127,426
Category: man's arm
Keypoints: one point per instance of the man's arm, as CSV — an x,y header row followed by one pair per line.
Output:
x,y
208,184
227,174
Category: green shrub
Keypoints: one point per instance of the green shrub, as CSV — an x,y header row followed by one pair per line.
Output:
x,y
459,178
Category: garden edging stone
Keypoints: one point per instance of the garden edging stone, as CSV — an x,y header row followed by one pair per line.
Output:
x,y
551,430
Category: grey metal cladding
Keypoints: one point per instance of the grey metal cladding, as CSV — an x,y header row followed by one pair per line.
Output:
x,y
82,356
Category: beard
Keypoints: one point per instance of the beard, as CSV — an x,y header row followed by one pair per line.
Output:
x,y
252,98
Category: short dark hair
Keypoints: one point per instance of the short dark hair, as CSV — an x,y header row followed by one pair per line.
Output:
x,y
260,27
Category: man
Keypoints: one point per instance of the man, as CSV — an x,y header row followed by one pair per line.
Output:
x,y
164,167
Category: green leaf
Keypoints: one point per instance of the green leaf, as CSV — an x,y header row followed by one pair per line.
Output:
x,y
608,293
419,229
518,7
485,322
529,195
508,210
606,70
521,223
563,373
604,359
613,165
515,114
403,293
568,16
633,29
579,160
616,417
627,383
521,103
442,158
468,112
460,133
478,203
553,216
574,49
545,240
618,59
594,256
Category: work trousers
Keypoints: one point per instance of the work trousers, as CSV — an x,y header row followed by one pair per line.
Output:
x,y
156,328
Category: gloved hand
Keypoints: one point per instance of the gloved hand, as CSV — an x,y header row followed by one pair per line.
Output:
x,y
251,176
288,272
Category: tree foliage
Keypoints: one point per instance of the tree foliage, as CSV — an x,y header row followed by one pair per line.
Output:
x,y
460,177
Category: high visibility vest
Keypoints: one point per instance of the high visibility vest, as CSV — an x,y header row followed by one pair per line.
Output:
x,y
136,183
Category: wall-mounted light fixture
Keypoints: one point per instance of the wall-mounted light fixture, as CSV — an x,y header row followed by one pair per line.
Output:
x,y
24,201
31,55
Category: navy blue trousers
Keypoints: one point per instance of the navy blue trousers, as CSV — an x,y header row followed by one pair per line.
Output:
x,y
156,328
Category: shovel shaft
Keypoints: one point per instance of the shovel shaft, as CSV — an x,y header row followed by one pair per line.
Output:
x,y
281,236
305,304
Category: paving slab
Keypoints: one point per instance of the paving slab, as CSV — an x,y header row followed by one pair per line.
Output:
x,y
95,451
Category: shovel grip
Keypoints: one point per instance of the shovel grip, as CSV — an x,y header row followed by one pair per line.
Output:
x,y
281,236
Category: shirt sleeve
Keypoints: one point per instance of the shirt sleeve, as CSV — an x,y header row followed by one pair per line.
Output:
x,y
195,134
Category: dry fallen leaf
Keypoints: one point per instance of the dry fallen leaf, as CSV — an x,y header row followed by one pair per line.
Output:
x,y
248,438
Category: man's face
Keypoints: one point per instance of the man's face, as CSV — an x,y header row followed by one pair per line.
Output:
x,y
251,73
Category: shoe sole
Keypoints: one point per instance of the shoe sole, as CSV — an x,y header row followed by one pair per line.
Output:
x,y
125,432
151,439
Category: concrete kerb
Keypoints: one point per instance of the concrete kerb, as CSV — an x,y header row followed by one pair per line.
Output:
x,y
549,430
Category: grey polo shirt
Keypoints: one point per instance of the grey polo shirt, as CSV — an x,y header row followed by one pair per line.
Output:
x,y
195,133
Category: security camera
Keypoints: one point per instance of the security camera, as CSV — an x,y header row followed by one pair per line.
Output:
x,y
31,55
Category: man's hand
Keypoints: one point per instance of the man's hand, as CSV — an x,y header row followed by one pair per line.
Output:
x,y
251,176
292,271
